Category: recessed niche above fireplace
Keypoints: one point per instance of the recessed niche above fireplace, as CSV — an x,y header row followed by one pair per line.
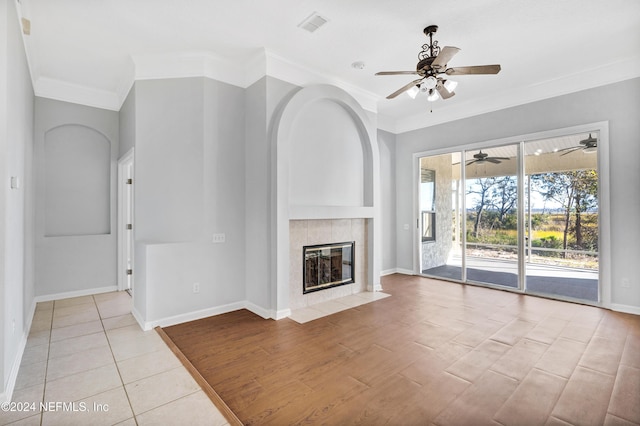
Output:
x,y
327,265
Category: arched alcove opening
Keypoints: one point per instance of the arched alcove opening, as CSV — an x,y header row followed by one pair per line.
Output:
x,y
311,117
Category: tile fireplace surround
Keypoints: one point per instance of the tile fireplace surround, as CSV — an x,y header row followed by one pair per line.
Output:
x,y
311,232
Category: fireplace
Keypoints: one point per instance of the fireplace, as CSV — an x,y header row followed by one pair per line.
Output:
x,y
327,265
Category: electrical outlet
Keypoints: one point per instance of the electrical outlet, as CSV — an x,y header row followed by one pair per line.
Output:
x,y
625,282
219,238
196,287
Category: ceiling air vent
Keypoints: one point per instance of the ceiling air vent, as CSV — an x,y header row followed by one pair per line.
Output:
x,y
313,22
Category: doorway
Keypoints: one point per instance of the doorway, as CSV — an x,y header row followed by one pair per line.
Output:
x,y
125,222
524,215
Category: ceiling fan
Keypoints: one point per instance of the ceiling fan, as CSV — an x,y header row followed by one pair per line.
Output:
x,y
433,71
588,146
482,157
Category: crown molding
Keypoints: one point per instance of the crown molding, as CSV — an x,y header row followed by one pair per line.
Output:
x,y
241,73
68,92
601,76
286,70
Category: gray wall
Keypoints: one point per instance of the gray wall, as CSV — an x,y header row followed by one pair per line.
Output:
x,y
79,255
387,145
189,184
16,205
617,103
263,102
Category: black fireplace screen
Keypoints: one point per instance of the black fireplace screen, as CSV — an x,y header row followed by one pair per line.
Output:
x,y
328,265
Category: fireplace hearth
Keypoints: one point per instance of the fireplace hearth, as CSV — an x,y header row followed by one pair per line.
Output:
x,y
328,265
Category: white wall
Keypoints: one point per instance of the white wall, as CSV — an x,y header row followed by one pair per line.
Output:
x,y
617,103
79,256
16,205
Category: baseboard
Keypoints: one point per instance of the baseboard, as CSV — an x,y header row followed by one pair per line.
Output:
x,y
7,393
627,309
194,315
282,313
76,293
138,317
396,271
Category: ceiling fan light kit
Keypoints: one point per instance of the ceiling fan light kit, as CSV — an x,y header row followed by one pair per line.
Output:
x,y
432,69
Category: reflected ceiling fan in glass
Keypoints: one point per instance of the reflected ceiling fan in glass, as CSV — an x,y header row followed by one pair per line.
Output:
x,y
483,157
588,146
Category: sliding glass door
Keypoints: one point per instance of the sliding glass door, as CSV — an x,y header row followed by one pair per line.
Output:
x,y
562,216
522,216
491,194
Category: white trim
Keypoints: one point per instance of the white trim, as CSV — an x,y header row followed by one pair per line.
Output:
x,y
258,310
330,212
15,367
6,395
607,74
302,76
398,271
281,314
209,312
123,162
627,309
83,95
192,316
76,293
139,319
188,64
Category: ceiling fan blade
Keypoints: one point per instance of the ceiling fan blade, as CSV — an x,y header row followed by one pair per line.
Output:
x,y
396,72
493,160
404,88
470,162
444,93
444,56
570,150
501,158
478,69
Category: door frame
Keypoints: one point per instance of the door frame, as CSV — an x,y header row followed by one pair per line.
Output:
x,y
604,225
125,210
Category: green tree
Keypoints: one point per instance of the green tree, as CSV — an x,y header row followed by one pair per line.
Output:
x,y
576,191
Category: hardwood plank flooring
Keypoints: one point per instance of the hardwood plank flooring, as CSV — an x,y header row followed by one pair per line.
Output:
x,y
432,353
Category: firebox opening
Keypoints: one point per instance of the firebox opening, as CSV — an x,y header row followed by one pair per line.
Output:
x,y
328,265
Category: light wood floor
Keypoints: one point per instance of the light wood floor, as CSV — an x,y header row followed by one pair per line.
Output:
x,y
432,353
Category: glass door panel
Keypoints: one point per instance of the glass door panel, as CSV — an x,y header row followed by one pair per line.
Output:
x,y
439,237
491,199
562,216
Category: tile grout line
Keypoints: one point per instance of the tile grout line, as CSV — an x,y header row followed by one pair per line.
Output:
x,y
46,368
124,388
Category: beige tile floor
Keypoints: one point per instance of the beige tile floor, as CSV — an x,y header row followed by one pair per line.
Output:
x,y
88,354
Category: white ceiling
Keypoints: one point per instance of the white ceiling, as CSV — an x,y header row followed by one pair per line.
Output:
x,y
89,51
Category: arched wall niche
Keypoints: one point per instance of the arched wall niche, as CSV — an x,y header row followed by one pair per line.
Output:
x,y
340,111
77,181
327,152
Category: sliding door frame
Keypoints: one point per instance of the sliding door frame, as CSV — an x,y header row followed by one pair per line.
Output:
x,y
604,225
